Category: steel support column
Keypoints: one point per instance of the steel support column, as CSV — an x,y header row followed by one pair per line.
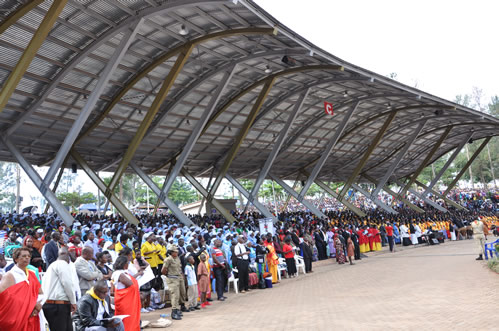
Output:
x,y
38,182
332,142
196,132
376,201
169,203
225,213
394,194
425,162
257,204
56,184
425,199
437,194
448,163
277,146
366,155
467,165
151,113
104,78
295,194
242,134
29,53
412,138
122,209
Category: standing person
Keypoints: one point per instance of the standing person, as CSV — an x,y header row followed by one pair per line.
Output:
x,y
272,259
86,270
350,249
340,253
479,236
172,268
126,295
219,261
150,254
404,233
389,235
58,289
260,252
20,288
102,259
330,242
320,244
52,248
307,254
242,256
289,255
192,283
92,242
203,281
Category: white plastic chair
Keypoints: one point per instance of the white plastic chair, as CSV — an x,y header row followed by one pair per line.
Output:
x,y
234,281
282,267
300,264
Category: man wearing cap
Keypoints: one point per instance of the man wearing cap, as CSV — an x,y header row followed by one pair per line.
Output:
x,y
172,268
37,242
479,236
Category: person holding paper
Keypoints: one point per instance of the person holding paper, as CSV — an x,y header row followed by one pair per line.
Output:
x,y
95,313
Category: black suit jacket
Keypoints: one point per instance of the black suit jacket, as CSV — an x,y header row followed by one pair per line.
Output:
x,y
51,252
307,251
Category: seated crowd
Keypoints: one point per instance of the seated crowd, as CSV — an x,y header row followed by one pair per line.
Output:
x,y
101,268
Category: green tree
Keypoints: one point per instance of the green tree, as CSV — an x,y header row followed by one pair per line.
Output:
x,y
75,199
482,168
7,185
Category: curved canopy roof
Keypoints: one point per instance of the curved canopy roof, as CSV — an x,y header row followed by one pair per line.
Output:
x,y
220,34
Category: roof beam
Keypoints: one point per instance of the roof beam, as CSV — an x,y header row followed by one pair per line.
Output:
x,y
242,134
29,53
426,161
327,151
410,140
467,165
151,113
122,209
368,153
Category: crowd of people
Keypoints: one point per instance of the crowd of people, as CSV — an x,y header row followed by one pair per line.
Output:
x,y
102,273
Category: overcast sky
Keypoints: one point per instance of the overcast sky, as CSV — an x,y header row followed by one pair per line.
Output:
x,y
445,47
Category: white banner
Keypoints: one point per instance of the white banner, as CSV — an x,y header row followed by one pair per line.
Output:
x,y
266,226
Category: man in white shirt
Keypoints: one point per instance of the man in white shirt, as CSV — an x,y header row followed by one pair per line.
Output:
x,y
60,297
242,254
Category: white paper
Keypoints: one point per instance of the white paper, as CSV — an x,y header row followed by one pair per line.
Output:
x,y
146,277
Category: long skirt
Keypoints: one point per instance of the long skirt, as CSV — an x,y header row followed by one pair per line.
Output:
x,y
414,239
453,235
340,254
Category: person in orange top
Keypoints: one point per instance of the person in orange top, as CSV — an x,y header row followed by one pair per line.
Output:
x,y
272,259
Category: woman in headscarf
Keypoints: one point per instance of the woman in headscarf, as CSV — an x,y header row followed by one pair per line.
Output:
x,y
340,253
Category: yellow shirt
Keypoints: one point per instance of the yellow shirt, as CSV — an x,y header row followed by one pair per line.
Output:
x,y
162,252
152,259
118,247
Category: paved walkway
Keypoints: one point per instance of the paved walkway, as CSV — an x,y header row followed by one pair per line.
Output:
x,y
422,288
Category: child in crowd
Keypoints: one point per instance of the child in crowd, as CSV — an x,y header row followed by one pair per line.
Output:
x,y
192,290
203,281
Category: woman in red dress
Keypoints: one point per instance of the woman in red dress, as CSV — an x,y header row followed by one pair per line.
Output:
x,y
19,291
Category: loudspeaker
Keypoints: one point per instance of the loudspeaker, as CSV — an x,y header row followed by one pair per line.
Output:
x,y
74,168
